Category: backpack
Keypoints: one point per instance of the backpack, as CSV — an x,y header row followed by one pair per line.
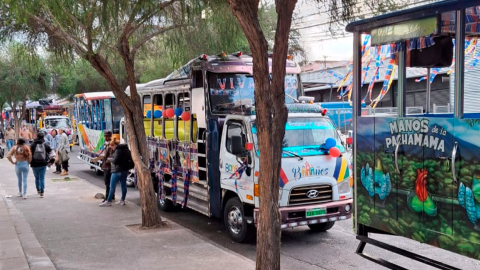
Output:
x,y
40,153
129,165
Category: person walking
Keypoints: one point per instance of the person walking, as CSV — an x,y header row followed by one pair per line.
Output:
x,y
2,136
10,137
62,151
54,146
105,156
42,155
121,164
48,141
26,134
23,157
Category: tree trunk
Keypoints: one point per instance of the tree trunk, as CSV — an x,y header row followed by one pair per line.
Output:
x,y
23,109
271,115
137,138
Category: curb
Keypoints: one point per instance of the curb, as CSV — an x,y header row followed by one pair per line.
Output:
x,y
35,255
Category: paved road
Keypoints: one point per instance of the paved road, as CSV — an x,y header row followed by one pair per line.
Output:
x,y
301,249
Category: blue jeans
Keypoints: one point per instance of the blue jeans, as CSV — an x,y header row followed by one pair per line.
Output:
x,y
118,176
39,173
10,144
21,169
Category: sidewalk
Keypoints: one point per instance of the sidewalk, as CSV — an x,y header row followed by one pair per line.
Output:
x,y
77,234
19,249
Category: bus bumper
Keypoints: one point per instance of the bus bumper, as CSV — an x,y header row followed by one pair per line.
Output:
x,y
293,216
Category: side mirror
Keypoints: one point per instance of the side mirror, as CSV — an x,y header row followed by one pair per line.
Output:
x,y
237,147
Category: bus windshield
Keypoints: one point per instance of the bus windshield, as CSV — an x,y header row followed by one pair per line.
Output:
x,y
305,136
230,93
57,123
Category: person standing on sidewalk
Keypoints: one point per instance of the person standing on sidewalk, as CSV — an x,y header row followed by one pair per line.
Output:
x,y
10,137
105,156
41,157
54,146
23,157
62,151
121,165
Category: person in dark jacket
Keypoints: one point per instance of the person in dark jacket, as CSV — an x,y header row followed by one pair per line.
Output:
x,y
39,166
105,156
119,168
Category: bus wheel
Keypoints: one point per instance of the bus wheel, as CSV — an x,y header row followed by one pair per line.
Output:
x,y
166,205
236,223
321,227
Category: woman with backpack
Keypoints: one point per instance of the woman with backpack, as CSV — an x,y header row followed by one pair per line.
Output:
x,y
121,164
42,155
23,157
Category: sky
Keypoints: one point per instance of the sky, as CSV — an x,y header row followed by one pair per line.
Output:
x,y
312,24
311,20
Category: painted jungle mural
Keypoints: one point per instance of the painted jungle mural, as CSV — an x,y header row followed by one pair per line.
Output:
x,y
406,184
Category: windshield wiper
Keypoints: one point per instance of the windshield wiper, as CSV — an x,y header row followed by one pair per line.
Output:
x,y
293,154
321,147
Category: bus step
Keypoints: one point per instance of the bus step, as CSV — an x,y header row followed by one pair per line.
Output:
x,y
193,203
197,191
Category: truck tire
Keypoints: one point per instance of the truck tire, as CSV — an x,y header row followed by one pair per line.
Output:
x,y
236,223
321,227
166,205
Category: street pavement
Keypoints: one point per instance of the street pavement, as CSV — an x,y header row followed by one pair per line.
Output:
x,y
301,248
77,234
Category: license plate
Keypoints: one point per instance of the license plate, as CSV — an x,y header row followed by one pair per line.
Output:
x,y
315,212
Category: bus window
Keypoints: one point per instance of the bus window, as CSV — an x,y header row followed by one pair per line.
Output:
x,y
230,93
117,115
170,101
183,101
108,114
157,123
169,127
147,104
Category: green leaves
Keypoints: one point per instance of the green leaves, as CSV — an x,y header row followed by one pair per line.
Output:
x,y
23,74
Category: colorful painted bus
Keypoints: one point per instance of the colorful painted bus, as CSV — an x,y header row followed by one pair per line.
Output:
x,y
204,149
417,175
94,113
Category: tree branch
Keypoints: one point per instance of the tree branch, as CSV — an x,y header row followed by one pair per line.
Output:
x,y
140,43
147,16
69,39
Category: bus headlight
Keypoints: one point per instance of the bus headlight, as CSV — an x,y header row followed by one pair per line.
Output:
x,y
344,187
